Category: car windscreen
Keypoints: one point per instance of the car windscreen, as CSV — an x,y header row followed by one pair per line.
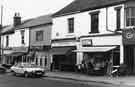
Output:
x,y
30,66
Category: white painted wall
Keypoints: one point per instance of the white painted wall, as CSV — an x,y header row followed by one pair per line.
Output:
x,y
105,40
15,39
82,23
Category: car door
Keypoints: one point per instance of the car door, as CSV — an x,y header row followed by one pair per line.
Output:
x,y
16,68
20,69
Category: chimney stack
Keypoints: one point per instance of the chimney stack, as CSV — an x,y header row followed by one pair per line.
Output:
x,y
17,19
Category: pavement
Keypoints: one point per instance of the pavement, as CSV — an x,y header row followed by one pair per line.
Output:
x,y
122,81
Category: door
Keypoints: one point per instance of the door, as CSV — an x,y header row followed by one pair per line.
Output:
x,y
134,60
129,58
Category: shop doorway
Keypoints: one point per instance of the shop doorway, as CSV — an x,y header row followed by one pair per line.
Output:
x,y
64,62
129,58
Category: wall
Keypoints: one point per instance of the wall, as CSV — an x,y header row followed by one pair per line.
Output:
x,y
15,39
47,35
82,23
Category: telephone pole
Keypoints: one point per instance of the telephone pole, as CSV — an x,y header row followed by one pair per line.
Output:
x,y
1,26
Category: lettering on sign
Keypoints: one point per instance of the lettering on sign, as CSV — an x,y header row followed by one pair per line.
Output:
x,y
86,42
128,36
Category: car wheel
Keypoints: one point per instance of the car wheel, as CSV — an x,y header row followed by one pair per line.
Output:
x,y
26,74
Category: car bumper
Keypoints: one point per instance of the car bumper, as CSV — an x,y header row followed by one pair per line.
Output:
x,y
37,73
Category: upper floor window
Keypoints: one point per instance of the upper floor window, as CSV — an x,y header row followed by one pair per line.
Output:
x,y
71,25
118,17
130,16
39,35
22,36
95,22
7,41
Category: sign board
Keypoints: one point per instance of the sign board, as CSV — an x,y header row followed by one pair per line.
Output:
x,y
86,42
20,49
128,36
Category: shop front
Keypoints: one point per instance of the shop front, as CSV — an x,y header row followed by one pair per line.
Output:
x,y
99,60
129,49
41,56
100,54
14,55
63,58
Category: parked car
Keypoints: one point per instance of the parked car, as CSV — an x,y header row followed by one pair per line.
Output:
x,y
7,66
2,69
27,69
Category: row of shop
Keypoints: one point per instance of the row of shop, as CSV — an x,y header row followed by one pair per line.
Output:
x,y
25,54
96,53
90,54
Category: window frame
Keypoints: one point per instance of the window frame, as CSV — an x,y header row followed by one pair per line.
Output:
x,y
94,24
130,16
71,25
22,36
118,17
39,35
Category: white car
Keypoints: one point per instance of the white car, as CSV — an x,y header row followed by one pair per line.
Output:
x,y
27,69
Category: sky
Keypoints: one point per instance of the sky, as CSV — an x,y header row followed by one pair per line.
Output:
x,y
30,8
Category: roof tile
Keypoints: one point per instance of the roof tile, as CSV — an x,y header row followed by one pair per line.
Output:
x,y
82,5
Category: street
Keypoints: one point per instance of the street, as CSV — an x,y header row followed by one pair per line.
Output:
x,y
8,80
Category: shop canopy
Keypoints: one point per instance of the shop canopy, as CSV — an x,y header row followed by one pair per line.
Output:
x,y
61,50
16,54
95,49
7,52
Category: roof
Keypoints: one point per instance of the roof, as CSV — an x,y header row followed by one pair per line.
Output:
x,y
46,19
84,5
7,29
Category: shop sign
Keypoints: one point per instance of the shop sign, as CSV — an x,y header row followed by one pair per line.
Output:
x,y
20,49
128,36
86,42
41,48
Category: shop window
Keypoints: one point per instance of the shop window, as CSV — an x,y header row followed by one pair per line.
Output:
x,y
36,61
39,35
116,59
116,56
130,16
45,60
71,25
46,47
94,22
41,62
22,36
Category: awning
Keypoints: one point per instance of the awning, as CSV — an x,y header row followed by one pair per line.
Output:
x,y
95,49
7,52
61,50
16,54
